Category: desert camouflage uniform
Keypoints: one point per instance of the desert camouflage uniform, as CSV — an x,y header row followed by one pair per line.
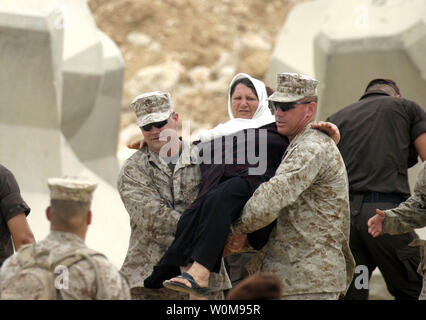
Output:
x,y
409,215
82,276
155,197
309,248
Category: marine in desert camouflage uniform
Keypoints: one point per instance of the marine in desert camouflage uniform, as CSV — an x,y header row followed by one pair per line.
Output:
x,y
69,215
309,248
156,189
408,216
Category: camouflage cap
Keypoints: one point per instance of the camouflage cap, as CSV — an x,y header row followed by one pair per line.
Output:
x,y
152,107
71,188
293,86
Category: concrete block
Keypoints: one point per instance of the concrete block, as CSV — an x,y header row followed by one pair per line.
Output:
x,y
97,148
361,40
60,88
293,51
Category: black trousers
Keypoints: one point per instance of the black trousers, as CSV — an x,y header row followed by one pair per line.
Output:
x,y
202,232
222,206
390,253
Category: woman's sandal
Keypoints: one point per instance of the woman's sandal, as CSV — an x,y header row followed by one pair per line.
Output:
x,y
194,289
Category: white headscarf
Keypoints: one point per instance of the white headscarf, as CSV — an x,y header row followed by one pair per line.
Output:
x,y
261,117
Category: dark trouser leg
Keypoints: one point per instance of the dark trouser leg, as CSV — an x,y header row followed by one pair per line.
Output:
x,y
202,232
221,207
391,254
361,254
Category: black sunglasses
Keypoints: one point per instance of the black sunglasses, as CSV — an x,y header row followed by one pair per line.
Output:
x,y
285,106
158,125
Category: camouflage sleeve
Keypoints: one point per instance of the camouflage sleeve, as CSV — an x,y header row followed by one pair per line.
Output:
x,y
295,174
410,214
147,209
115,285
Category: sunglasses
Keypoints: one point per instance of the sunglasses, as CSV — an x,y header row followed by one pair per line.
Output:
x,y
158,125
285,106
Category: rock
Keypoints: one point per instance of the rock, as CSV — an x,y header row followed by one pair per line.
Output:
x,y
139,39
199,75
256,64
158,77
255,41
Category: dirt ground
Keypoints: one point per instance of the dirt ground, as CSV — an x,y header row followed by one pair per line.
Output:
x,y
191,48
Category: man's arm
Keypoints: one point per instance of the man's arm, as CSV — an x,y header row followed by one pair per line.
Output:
x,y
20,230
294,175
420,145
14,209
147,210
408,216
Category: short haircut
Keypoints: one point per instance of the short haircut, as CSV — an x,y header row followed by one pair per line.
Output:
x,y
69,214
310,99
246,82
379,83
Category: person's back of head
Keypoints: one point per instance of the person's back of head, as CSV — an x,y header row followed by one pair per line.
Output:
x,y
387,85
70,200
260,286
70,215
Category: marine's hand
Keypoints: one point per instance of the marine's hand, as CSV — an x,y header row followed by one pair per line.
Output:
x,y
329,128
375,223
234,243
136,145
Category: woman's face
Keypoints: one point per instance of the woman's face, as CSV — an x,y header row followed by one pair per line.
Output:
x,y
244,102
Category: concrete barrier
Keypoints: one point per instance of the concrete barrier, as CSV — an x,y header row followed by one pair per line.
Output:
x,y
60,93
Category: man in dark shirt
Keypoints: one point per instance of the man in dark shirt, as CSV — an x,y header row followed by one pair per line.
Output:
x,y
381,137
14,229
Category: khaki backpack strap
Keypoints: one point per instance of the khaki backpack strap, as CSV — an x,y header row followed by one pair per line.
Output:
x,y
28,255
27,258
75,256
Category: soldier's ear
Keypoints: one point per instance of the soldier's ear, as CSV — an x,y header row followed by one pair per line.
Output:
x,y
175,117
312,108
89,218
48,214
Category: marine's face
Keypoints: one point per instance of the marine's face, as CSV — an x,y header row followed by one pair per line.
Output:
x,y
244,102
152,137
292,121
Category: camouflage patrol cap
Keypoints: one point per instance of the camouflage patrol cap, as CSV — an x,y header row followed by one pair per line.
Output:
x,y
293,86
71,188
152,107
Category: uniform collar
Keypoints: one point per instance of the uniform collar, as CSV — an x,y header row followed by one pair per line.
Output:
x,y
67,237
185,158
300,134
374,93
